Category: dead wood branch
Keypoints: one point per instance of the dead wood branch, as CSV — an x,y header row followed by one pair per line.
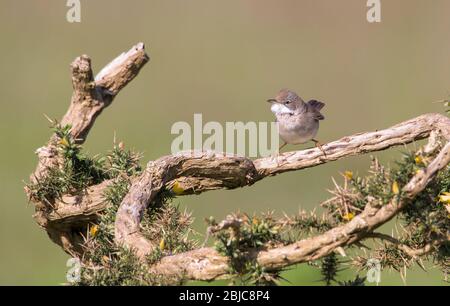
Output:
x,y
204,171
201,171
207,264
411,252
90,97
197,172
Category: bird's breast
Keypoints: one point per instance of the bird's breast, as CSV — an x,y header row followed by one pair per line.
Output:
x,y
297,129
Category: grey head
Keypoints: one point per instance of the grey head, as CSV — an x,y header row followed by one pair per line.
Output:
x,y
286,102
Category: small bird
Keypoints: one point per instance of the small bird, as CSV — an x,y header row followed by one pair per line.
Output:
x,y
298,121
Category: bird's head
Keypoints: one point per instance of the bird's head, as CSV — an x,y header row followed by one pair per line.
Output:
x,y
285,102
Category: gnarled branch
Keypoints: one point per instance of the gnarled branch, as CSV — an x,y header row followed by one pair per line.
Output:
x,y
196,172
194,179
90,97
207,264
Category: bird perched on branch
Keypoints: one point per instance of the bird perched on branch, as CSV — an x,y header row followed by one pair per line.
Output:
x,y
298,122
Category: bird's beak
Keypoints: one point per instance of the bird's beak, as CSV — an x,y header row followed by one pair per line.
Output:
x,y
272,101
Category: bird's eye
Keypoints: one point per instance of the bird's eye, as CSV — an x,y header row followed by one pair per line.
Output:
x,y
287,102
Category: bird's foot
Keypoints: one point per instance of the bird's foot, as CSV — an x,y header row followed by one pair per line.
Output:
x,y
319,145
276,154
274,157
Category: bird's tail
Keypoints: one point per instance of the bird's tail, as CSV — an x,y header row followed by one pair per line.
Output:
x,y
317,105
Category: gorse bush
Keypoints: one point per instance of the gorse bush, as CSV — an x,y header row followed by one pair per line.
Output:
x,y
424,223
76,171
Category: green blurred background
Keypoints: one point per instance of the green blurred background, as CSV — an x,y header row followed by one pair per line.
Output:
x,y
222,59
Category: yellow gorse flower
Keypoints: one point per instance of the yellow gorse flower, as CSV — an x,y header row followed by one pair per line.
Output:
x,y
445,198
418,160
93,230
348,217
255,221
64,142
348,175
395,188
162,244
177,189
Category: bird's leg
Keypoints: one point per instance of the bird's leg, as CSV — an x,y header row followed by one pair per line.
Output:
x,y
275,154
282,146
318,145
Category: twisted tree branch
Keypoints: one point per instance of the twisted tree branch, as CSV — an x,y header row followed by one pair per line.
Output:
x,y
90,97
196,172
414,253
199,169
207,264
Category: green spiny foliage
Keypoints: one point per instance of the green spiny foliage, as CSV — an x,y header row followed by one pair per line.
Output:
x,y
260,276
303,224
104,263
107,264
379,185
76,172
123,162
357,282
442,257
119,266
165,225
170,227
254,232
425,219
330,268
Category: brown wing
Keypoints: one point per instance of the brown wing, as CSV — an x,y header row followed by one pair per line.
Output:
x,y
314,107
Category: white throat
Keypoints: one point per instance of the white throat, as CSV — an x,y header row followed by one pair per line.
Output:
x,y
280,109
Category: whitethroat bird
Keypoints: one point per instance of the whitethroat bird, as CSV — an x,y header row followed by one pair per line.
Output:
x,y
298,122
